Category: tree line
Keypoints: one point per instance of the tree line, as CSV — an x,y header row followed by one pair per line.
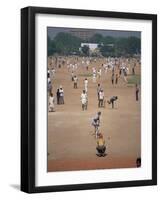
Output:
x,y
67,44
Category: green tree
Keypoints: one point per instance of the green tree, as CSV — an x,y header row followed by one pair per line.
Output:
x,y
66,43
96,38
120,46
108,40
85,50
133,45
127,46
51,46
107,50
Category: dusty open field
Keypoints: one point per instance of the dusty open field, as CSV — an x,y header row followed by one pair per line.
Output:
x,y
71,143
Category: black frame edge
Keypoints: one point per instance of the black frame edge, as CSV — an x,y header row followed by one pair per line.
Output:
x,y
92,13
27,101
154,99
24,100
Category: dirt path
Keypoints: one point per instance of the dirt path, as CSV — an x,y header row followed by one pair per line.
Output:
x,y
71,143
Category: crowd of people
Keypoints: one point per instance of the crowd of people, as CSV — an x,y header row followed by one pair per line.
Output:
x,y
117,68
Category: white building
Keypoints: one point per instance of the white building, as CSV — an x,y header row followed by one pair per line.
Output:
x,y
92,46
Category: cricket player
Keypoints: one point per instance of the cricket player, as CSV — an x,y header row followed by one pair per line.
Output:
x,y
86,85
101,98
112,100
96,123
84,100
75,79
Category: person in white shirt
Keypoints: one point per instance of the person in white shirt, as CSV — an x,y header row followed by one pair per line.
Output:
x,y
75,82
94,70
49,79
94,73
101,98
94,77
86,85
99,72
53,73
72,76
84,100
51,103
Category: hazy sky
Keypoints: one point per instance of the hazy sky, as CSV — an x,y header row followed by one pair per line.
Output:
x,y
52,32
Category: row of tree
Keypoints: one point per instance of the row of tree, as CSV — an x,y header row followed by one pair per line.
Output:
x,y
67,44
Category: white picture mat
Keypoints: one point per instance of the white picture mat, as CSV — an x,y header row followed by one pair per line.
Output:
x,y
92,176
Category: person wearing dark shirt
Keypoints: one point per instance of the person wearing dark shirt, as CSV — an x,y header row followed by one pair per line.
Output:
x,y
137,92
116,80
138,162
58,96
133,69
112,100
112,78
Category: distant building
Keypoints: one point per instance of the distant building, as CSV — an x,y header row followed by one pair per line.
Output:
x,y
82,33
92,46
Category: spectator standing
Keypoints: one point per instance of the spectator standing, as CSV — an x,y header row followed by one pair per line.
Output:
x,y
84,100
101,98
51,103
75,82
137,92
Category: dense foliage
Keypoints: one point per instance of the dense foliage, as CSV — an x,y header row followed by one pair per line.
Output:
x,y
67,44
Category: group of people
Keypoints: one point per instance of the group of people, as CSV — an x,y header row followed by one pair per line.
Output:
x,y
101,97
60,99
60,95
118,70
113,64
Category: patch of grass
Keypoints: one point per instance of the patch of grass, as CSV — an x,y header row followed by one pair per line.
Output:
x,y
135,79
85,75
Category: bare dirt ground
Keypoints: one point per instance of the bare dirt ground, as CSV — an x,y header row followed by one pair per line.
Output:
x,y
71,140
